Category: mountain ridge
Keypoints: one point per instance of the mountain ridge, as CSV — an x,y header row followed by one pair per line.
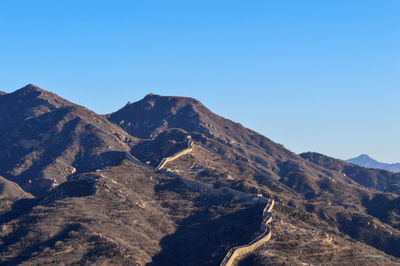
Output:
x,y
366,161
47,132
97,187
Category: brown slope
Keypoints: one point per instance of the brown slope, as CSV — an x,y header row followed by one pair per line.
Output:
x,y
129,214
44,139
239,158
378,179
154,114
2,93
10,193
331,202
150,116
10,190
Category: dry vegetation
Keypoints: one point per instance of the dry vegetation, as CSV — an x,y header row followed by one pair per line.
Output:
x,y
98,198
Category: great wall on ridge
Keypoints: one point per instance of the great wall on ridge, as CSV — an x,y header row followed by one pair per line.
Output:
x,y
239,251
235,252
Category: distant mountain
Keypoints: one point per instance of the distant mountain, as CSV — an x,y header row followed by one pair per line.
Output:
x,y
366,161
2,93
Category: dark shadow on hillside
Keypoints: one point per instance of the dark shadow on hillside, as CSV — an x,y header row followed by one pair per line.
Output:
x,y
37,247
247,261
18,209
105,159
68,189
21,211
166,144
204,238
80,188
54,148
359,228
16,235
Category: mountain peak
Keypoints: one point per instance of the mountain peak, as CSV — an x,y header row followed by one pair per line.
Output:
x,y
171,100
152,94
31,92
364,157
366,161
160,112
30,88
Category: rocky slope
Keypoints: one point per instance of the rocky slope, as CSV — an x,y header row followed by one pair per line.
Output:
x,y
378,179
340,206
10,190
129,214
101,200
44,139
154,114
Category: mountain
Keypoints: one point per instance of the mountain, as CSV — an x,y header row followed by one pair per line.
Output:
x,y
230,155
120,216
164,181
366,161
155,114
2,93
377,179
45,139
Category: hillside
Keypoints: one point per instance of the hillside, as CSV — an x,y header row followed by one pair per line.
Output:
x,y
164,181
10,190
44,139
366,161
381,180
120,216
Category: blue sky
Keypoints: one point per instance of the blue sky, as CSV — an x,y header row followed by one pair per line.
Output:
x,y
318,76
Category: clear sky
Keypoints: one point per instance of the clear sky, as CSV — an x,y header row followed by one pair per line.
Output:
x,y
318,75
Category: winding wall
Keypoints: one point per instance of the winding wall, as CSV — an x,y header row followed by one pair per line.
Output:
x,y
239,251
175,156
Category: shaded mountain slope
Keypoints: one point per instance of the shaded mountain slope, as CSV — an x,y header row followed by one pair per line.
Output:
x,y
366,161
44,139
152,115
371,178
334,204
301,238
269,166
101,200
129,214
10,193
165,144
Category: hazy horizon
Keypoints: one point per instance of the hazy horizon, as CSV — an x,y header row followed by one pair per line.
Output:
x,y
313,76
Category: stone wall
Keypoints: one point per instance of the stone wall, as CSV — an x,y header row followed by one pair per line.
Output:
x,y
239,251
176,155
